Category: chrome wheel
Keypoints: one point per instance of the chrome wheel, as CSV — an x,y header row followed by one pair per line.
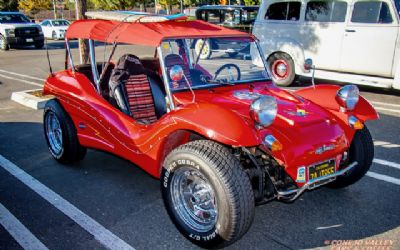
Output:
x,y
194,199
54,133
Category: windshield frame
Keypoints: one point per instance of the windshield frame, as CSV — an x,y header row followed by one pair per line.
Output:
x,y
194,59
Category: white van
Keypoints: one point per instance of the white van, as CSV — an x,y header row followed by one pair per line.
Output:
x,y
353,41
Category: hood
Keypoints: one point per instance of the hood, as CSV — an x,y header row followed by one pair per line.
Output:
x,y
60,27
18,25
300,125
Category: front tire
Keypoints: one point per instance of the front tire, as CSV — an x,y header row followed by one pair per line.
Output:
x,y
61,135
39,45
3,43
362,151
282,69
207,194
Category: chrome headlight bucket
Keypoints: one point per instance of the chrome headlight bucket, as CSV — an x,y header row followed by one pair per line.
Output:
x,y
348,96
263,110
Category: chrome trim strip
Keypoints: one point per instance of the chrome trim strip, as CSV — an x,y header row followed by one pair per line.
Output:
x,y
165,77
283,195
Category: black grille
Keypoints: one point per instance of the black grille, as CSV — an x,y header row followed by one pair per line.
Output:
x,y
26,32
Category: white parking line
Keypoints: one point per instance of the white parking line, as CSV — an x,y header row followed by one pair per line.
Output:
x,y
389,110
386,163
21,80
100,233
22,75
383,177
18,231
385,104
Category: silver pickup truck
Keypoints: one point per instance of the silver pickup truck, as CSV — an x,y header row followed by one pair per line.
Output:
x,y
17,30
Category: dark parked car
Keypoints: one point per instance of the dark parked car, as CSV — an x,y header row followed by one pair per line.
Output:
x,y
230,16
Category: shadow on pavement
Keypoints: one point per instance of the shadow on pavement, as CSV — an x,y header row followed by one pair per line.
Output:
x,y
122,197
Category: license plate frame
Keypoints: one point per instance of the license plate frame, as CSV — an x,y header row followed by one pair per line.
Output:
x,y
29,40
321,169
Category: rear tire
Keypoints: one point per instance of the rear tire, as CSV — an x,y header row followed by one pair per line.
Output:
x,y
362,151
61,135
3,43
281,66
217,208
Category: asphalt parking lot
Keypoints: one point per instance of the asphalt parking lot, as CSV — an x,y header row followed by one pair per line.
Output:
x,y
107,202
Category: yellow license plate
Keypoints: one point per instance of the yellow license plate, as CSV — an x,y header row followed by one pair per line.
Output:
x,y
321,169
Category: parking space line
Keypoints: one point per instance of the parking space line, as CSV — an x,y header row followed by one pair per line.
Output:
x,y
387,163
383,177
385,104
21,80
22,75
389,110
100,233
18,231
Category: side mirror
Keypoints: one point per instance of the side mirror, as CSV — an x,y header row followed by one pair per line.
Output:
x,y
176,73
308,64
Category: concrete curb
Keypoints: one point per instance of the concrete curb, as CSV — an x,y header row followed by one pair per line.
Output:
x,y
27,98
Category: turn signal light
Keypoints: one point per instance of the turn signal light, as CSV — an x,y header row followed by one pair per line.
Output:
x,y
355,123
272,143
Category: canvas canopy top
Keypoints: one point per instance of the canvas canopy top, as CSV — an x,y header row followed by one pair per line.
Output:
x,y
147,33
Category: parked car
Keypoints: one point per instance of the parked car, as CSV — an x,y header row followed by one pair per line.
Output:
x,y
230,16
17,30
54,28
220,136
351,40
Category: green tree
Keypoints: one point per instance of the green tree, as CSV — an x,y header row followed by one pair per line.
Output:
x,y
168,4
34,5
9,5
114,4
251,2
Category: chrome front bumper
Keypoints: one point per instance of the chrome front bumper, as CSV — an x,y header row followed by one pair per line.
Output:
x,y
293,194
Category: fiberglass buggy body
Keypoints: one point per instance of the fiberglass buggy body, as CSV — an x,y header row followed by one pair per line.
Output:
x,y
218,133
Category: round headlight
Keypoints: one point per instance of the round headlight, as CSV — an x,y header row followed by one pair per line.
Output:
x,y
348,96
263,110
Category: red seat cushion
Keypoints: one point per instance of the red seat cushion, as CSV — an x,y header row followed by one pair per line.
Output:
x,y
140,99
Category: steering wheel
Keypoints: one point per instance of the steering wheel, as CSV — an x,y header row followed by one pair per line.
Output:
x,y
229,67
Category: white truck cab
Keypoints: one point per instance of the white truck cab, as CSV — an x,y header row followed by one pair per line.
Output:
x,y
353,41
17,30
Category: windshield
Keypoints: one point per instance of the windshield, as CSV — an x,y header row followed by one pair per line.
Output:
x,y
60,23
212,62
13,18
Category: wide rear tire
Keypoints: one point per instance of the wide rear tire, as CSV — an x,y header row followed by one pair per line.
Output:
x,y
61,135
362,151
207,194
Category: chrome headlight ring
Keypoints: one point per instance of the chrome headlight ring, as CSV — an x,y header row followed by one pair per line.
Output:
x,y
263,110
10,32
348,96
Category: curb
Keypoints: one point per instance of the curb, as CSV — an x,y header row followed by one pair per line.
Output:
x,y
27,98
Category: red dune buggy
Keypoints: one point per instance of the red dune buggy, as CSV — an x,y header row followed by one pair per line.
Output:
x,y
220,136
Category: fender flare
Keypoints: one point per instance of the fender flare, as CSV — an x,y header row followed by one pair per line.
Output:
x,y
324,96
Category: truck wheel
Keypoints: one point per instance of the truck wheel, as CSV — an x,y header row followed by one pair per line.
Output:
x,y
362,151
281,66
206,52
207,194
3,43
54,35
39,45
61,135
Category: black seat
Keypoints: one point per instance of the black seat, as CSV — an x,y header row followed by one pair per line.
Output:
x,y
137,91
